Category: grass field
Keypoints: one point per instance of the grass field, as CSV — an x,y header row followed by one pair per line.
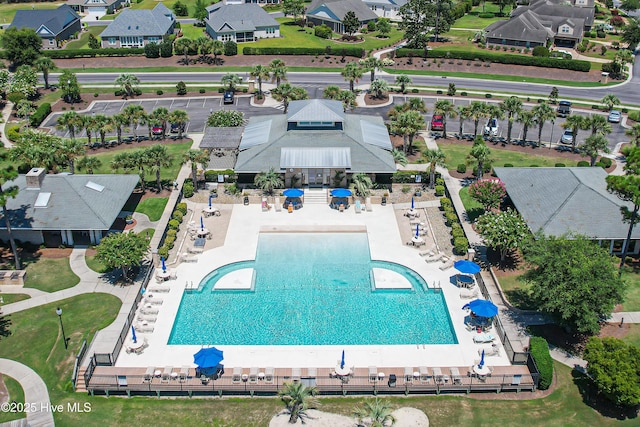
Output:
x,y
192,32
49,274
633,336
152,207
95,265
83,41
473,208
11,298
15,394
632,296
8,10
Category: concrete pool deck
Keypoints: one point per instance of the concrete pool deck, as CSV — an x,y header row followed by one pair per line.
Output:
x,y
385,243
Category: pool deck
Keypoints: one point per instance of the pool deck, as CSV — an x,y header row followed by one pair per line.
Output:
x,y
385,243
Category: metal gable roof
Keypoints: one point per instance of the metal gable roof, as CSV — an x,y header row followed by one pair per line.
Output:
x,y
315,157
319,110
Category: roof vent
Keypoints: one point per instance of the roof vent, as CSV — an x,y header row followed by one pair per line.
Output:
x,y
42,200
96,187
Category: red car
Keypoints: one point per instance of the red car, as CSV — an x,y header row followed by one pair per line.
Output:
x,y
156,130
437,122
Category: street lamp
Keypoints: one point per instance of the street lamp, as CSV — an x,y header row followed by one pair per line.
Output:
x,y
69,98
553,122
64,338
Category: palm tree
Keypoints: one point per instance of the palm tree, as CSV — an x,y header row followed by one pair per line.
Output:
x,y
103,125
161,116
413,104
278,70
158,157
595,144
477,111
445,108
44,64
71,121
610,100
298,398
128,84
9,192
634,133
403,80
371,64
379,87
196,157
348,99
231,80
134,114
260,73
148,121
119,122
217,48
352,72
527,119
331,92
399,157
183,46
204,46
408,124
89,163
376,411
542,113
511,107
69,150
481,153
574,122
285,93
597,123
435,157
362,183
37,149
179,118
464,111
268,181
132,160
89,125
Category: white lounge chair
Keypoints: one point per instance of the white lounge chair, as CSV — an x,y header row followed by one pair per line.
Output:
x,y
148,375
373,374
184,373
455,376
469,293
483,338
268,375
166,374
408,374
149,310
159,289
253,375
236,377
296,373
489,350
424,374
439,377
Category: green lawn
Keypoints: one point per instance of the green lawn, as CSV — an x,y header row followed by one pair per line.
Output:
x,y
633,336
83,41
95,265
11,298
152,207
632,296
473,208
475,22
192,32
15,394
50,274
8,10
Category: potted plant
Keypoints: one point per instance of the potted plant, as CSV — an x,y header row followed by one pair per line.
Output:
x,y
129,219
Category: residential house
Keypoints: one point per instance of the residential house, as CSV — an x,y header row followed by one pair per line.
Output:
x,y
332,12
53,26
138,28
543,22
66,209
315,140
240,23
95,9
559,201
389,9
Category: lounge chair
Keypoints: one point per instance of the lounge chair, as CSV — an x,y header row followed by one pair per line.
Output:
x,y
141,327
312,372
368,205
483,338
166,374
236,377
159,289
489,350
253,375
439,377
153,301
358,207
469,293
173,275
373,374
408,374
455,376
268,375
149,310
447,265
424,374
184,373
296,373
148,375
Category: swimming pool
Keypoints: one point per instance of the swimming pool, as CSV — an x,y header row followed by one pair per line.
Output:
x,y
313,289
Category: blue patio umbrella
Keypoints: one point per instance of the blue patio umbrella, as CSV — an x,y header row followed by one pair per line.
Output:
x,y
293,192
466,267
412,203
341,192
417,230
164,266
210,200
208,357
482,308
133,334
481,364
342,361
201,223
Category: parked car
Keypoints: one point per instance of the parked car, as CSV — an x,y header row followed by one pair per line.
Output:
x,y
615,116
156,130
491,129
567,137
228,97
175,127
437,122
564,108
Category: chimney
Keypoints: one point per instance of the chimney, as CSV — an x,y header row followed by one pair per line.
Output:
x,y
35,177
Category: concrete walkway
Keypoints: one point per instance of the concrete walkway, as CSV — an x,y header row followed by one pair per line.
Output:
x,y
36,395
6,115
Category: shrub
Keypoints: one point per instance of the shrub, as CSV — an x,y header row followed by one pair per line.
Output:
x,y
445,203
40,114
486,15
169,241
182,207
635,115
462,168
460,245
457,231
96,94
487,95
541,51
463,93
606,162
177,215
560,165
152,50
202,90
508,165
322,31
230,48
357,52
159,92
439,190
15,97
599,164
451,218
92,53
163,251
540,352
172,233
439,181
181,88
174,224
13,132
438,92
583,164
187,189
414,90
406,189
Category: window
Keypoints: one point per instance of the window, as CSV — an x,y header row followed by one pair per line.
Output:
x,y
270,30
112,41
52,42
374,7
226,37
564,29
153,39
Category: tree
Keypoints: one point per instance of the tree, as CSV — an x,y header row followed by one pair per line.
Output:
x,y
351,73
180,118
542,113
278,70
183,46
421,17
371,64
414,104
22,46
7,192
379,88
573,280
527,119
383,25
446,109
488,192
630,5
597,123
553,96
408,124
435,157
71,121
44,64
477,112
94,43
511,107
614,366
268,181
285,93
350,23
575,122
502,231
5,324
331,92
204,45
134,114
376,411
69,150
103,125
226,118
617,22
298,398
260,73
481,153
403,80
181,88
180,9
24,109
348,99
610,101
217,47
464,111
89,163
36,149
630,33
200,10
128,84
158,157
119,122
231,80
24,81
68,84
122,250
196,157
399,157
132,160
362,184
593,145
634,133
293,8
161,116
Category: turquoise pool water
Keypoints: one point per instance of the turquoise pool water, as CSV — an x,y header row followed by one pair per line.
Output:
x,y
312,289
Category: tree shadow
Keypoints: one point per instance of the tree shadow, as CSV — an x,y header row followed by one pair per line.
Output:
x,y
521,299
474,213
592,398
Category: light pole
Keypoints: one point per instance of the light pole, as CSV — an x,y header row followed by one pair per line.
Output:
x,y
553,122
64,338
70,99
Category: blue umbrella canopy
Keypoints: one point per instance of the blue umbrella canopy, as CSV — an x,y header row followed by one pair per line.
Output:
x,y
208,357
342,361
164,266
482,308
412,203
466,267
341,192
481,364
293,192
134,338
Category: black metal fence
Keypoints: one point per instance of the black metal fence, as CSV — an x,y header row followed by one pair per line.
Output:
x,y
76,364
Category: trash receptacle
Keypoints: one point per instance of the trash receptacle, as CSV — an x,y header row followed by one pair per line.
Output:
x,y
384,201
392,380
246,200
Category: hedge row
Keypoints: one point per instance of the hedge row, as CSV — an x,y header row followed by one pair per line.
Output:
x,y
573,64
540,352
91,53
40,114
357,52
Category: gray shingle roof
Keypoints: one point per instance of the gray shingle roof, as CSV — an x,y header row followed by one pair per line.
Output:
x,y
562,200
156,22
90,3
222,137
550,10
239,17
72,205
54,20
340,8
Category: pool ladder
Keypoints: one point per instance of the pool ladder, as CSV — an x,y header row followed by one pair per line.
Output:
x,y
437,286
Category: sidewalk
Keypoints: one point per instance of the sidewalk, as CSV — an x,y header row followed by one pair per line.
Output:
x,y
36,395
